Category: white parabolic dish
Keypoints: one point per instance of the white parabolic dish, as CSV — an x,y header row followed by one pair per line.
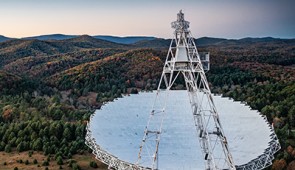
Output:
x,y
118,129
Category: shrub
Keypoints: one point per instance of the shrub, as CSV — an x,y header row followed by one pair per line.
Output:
x,y
93,164
27,162
30,153
75,166
45,163
59,160
134,91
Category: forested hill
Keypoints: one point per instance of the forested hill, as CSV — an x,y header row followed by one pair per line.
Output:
x,y
111,76
116,39
3,38
49,88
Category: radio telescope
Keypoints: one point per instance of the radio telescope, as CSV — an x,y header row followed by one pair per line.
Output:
x,y
184,59
119,133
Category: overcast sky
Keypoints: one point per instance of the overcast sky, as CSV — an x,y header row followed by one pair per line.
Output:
x,y
213,18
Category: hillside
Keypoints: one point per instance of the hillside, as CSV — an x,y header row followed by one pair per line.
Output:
x,y
46,65
11,84
51,37
16,49
219,42
113,75
86,41
115,39
124,40
3,38
203,41
155,43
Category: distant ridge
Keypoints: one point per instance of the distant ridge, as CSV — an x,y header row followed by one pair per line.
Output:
x,y
3,38
51,37
86,41
152,42
258,39
124,40
209,41
116,39
155,43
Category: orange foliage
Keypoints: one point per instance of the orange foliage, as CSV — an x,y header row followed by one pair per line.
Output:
x,y
154,59
279,164
290,149
291,166
268,70
7,114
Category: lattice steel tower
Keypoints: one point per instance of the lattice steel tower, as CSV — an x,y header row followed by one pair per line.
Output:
x,y
183,59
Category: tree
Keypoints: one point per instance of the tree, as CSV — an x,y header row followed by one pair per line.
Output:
x,y
20,147
291,116
59,160
37,145
279,164
291,165
67,134
2,146
134,91
7,148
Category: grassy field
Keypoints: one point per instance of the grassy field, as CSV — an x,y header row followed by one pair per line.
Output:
x,y
8,161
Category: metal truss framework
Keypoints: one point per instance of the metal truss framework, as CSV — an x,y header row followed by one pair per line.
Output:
x,y
265,159
113,162
211,137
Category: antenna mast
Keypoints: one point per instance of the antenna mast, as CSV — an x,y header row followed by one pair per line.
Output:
x,y
183,59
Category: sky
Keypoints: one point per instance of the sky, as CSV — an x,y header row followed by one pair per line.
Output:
x,y
212,18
